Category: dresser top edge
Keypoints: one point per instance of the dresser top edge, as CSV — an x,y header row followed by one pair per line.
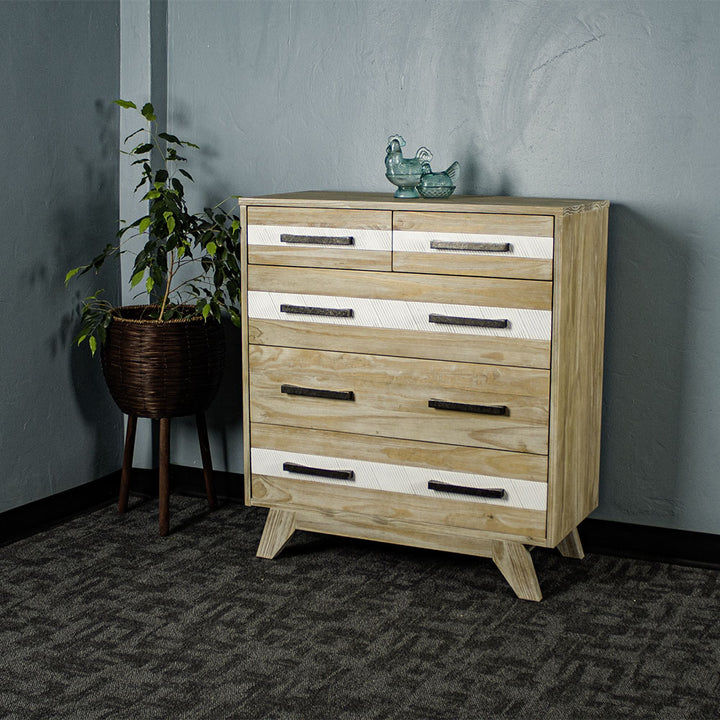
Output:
x,y
456,203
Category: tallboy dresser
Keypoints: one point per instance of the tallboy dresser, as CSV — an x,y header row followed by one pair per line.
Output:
x,y
425,372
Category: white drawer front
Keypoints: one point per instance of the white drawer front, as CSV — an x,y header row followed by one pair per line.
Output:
x,y
362,239
401,315
505,246
524,494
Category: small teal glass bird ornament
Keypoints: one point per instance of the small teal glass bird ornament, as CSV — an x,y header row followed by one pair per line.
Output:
x,y
404,172
437,185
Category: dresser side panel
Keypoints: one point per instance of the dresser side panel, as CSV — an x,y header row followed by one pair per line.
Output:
x,y
245,369
576,369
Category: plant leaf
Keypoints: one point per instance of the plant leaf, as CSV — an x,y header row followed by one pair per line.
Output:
x,y
144,224
206,311
71,273
125,104
211,247
186,174
93,344
136,278
169,221
148,112
149,285
170,138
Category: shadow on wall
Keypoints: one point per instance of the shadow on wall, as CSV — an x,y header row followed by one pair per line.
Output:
x,y
645,358
96,214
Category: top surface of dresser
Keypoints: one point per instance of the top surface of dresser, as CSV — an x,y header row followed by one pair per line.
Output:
x,y
455,203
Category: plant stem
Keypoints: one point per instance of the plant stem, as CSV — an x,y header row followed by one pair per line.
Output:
x,y
167,286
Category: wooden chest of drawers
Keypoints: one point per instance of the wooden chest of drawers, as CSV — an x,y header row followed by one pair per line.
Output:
x,y
424,372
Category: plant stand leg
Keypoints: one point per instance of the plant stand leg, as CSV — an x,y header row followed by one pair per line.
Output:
x,y
127,463
164,472
206,460
514,562
571,546
279,527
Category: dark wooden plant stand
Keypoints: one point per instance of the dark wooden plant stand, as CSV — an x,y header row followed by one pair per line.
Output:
x,y
162,370
164,467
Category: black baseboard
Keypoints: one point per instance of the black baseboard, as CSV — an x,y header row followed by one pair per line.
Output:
x,y
643,542
604,537
42,514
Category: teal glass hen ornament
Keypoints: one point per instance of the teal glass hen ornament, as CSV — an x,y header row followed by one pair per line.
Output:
x,y
404,172
437,185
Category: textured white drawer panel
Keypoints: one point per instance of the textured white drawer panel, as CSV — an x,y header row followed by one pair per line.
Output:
x,y
400,315
524,494
362,238
506,246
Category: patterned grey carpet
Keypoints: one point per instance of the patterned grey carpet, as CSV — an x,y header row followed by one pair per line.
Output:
x,y
102,618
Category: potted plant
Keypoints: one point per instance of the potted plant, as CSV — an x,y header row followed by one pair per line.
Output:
x,y
165,358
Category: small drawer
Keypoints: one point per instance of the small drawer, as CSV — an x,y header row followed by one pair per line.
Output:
x,y
429,400
511,246
343,239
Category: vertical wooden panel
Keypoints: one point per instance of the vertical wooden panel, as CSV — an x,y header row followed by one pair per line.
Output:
x,y
576,369
244,353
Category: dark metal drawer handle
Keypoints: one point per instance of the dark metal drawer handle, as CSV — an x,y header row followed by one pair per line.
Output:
x,y
316,239
438,485
319,472
308,310
465,407
317,392
472,322
471,246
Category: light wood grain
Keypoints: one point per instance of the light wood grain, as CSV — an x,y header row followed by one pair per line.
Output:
x,y
321,218
455,203
571,546
392,394
244,364
401,343
514,562
577,363
279,527
484,223
418,262
396,532
342,258
397,451
382,509
496,292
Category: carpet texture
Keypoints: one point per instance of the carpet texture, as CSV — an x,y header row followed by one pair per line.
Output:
x,y
102,618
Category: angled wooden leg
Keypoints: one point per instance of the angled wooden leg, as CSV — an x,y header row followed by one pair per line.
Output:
x,y
164,472
571,546
206,460
514,562
127,463
279,527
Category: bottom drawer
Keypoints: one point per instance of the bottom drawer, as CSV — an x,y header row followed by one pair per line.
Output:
x,y
387,493
424,482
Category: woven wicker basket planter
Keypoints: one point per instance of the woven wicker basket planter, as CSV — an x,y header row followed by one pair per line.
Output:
x,y
162,369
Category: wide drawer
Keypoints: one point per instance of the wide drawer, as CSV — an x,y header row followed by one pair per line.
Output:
x,y
390,314
352,239
511,246
445,318
422,482
435,401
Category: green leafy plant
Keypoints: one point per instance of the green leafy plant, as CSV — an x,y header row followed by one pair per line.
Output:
x,y
190,263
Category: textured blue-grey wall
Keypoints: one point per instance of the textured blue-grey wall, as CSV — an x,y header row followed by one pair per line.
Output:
x,y
581,98
59,69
